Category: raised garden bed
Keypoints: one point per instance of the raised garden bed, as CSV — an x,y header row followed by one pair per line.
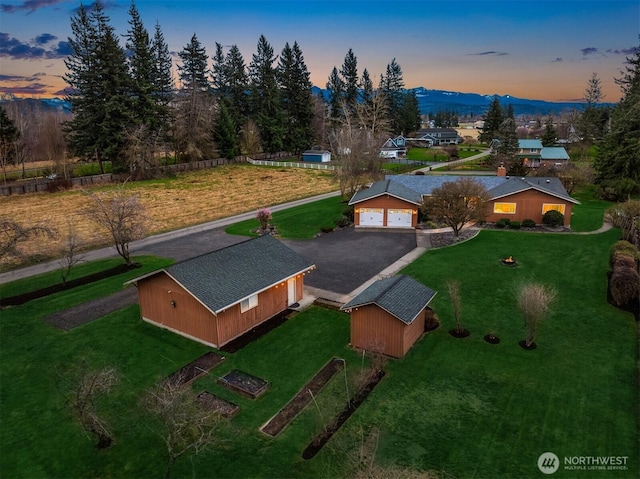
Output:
x,y
217,404
196,368
283,418
243,383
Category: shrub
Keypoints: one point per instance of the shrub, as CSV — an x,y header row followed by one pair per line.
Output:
x,y
623,248
326,229
514,225
348,212
553,218
264,216
342,222
502,223
528,223
624,285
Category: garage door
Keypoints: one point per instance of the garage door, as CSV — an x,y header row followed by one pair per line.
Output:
x,y
371,216
399,218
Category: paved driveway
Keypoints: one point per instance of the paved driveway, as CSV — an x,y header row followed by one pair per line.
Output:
x,y
347,258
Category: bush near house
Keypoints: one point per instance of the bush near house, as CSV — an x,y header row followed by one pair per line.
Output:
x,y
528,223
553,218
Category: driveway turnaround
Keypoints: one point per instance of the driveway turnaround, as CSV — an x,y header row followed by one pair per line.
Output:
x,y
347,258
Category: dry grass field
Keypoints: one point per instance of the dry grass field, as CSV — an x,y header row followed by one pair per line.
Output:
x,y
170,203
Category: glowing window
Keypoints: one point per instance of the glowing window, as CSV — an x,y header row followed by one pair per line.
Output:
x,y
249,303
550,206
504,208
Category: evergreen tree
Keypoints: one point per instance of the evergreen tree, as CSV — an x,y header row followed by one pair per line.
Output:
x,y
237,84
366,95
550,134
142,68
336,90
194,110
9,133
297,101
163,87
392,86
493,119
617,159
593,120
409,118
349,74
100,89
510,113
265,97
225,133
506,152
219,77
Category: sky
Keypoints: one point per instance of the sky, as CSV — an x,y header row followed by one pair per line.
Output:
x,y
536,49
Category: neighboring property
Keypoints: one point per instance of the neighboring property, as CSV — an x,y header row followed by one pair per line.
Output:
x,y
389,316
316,156
217,297
394,148
533,154
386,204
514,198
439,136
555,156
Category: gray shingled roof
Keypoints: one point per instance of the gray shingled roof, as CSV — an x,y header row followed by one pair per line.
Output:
x,y
425,184
402,296
551,186
226,276
391,188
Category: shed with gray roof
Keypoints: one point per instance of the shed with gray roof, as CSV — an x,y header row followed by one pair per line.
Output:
x,y
216,297
390,315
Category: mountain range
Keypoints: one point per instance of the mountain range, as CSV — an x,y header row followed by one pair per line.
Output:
x,y
431,101
474,104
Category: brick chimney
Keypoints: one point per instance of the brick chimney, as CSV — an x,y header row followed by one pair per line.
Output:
x,y
502,171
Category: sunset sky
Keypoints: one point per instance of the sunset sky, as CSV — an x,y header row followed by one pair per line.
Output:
x,y
539,49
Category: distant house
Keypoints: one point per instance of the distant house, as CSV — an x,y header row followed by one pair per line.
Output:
x,y
316,156
389,316
394,147
533,154
439,136
555,156
389,203
217,297
386,204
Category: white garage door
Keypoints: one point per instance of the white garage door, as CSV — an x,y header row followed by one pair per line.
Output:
x,y
399,218
371,216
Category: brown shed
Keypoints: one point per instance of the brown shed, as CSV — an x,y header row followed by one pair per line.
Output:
x,y
389,316
217,297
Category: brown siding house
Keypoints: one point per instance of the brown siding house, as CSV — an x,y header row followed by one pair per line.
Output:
x,y
386,204
388,317
217,297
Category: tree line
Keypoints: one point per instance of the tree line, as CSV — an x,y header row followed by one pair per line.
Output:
x,y
127,108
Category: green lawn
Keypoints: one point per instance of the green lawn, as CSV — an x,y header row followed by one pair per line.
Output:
x,y
461,406
300,222
589,214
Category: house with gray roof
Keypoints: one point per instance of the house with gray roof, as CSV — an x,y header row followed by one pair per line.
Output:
x,y
216,297
389,316
394,201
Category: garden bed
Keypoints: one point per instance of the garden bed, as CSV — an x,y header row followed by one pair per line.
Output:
x,y
244,383
283,418
196,368
217,404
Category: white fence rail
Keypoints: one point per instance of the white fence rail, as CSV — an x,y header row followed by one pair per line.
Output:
x,y
292,164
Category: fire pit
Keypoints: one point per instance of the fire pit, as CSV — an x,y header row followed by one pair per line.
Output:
x,y
509,261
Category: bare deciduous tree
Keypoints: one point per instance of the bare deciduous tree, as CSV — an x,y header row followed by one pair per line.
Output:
x,y
69,252
12,233
626,216
122,215
82,400
186,425
250,138
534,301
457,203
453,286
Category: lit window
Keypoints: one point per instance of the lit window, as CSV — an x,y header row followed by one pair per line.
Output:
x,y
249,303
504,208
550,206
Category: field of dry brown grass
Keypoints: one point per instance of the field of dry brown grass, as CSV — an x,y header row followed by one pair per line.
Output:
x,y
170,203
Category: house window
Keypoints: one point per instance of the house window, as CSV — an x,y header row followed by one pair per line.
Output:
x,y
504,208
550,206
249,303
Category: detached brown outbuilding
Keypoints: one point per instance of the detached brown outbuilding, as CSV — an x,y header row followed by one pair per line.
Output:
x,y
389,316
217,297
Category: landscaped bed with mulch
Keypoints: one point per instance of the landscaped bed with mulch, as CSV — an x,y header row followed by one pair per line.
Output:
x,y
217,404
196,368
283,418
